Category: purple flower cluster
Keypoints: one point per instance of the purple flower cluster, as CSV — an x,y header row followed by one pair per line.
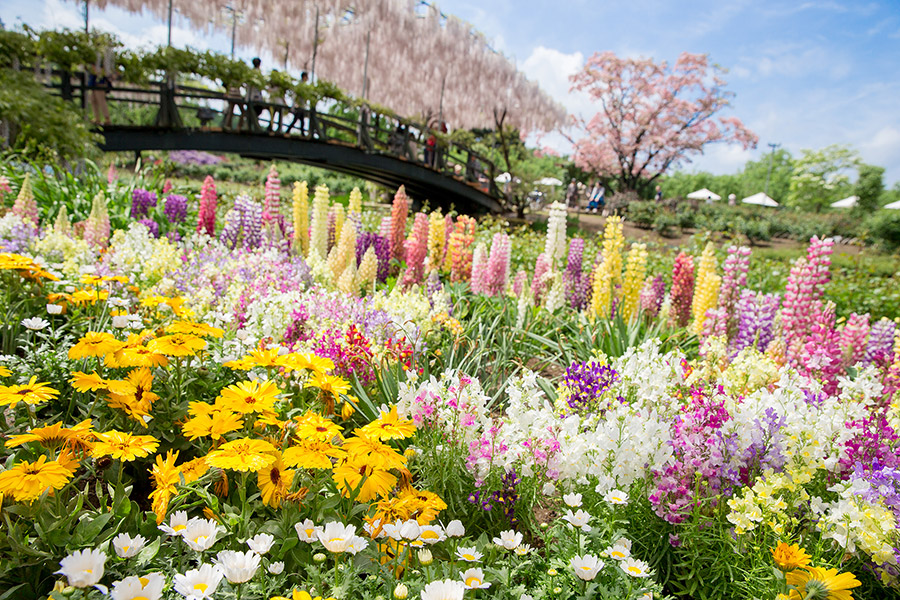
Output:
x,y
575,280
175,208
586,382
382,252
243,221
194,157
652,296
506,497
141,202
880,346
756,320
152,225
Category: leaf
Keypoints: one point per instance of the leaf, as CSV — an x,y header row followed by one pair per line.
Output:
x,y
148,552
89,529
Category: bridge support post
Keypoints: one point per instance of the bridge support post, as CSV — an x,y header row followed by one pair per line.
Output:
x,y
168,116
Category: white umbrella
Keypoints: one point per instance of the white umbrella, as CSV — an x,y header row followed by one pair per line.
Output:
x,y
894,205
503,178
548,181
760,199
846,202
704,194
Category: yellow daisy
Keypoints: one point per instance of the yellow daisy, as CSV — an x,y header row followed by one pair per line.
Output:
x,y
214,423
313,426
242,455
789,558
313,454
274,482
249,397
84,382
94,343
124,446
329,384
53,436
177,344
355,474
29,393
389,426
26,481
374,452
199,329
822,584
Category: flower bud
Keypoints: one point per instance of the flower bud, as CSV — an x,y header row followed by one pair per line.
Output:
x,y
319,557
401,592
425,557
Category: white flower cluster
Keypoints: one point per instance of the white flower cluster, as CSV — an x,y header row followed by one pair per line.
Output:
x,y
138,255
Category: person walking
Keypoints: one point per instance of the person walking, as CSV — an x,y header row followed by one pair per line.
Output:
x,y
572,194
99,83
301,105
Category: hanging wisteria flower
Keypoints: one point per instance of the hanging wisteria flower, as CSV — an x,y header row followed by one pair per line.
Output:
x,y
616,497
446,589
261,543
238,567
572,500
146,587
635,567
198,584
509,539
586,567
201,534
127,546
84,568
474,579
468,553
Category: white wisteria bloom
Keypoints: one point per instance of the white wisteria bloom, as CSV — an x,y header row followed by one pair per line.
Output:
x,y
147,587
35,323
336,537
306,531
446,589
84,568
509,539
198,584
455,528
276,568
578,519
238,567
635,567
177,523
261,543
469,553
586,567
616,497
127,546
200,534
474,579
572,500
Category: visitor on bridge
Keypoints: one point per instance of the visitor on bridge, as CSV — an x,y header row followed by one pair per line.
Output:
x,y
301,106
99,83
396,140
255,102
277,103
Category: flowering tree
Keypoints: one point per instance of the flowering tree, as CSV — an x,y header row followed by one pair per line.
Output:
x,y
652,116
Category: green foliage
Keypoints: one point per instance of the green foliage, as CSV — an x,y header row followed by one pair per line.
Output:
x,y
42,126
869,187
883,227
821,177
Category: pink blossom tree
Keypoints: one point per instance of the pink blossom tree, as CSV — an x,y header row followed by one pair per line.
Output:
x,y
652,116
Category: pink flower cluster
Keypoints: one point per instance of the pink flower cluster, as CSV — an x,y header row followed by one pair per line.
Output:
x,y
206,216
682,294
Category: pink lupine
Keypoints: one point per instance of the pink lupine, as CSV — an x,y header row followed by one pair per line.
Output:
x,y
478,282
416,251
399,214
853,338
519,282
497,272
820,357
272,206
682,293
722,321
805,287
206,215
112,175
541,267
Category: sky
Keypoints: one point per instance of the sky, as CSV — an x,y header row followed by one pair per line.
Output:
x,y
804,74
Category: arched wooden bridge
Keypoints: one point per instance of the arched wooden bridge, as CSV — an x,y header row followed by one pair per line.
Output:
x,y
343,138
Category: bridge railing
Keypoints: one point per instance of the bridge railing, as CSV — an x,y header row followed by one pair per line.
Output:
x,y
176,106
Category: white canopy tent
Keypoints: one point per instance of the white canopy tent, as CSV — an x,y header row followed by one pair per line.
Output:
x,y
553,181
760,199
848,202
704,194
893,205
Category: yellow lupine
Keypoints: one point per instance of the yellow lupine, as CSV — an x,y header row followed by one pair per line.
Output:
x,y
301,217
706,288
635,273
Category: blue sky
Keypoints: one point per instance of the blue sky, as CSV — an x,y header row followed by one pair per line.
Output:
x,y
805,74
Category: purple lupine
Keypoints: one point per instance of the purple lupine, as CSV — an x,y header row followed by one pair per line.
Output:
x,y
175,208
433,287
232,229
734,278
881,342
382,252
141,202
756,320
251,223
152,225
574,278
652,295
